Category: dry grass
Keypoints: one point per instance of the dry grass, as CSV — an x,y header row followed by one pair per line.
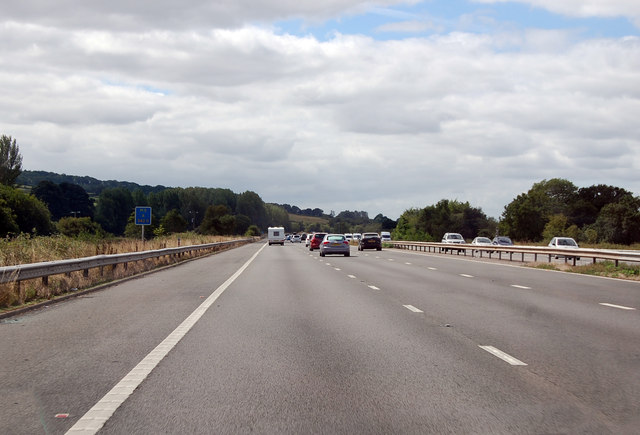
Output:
x,y
24,250
604,268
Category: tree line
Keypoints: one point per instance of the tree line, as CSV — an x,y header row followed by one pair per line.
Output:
x,y
556,207
61,204
594,214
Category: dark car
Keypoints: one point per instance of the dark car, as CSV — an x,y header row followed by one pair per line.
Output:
x,y
316,239
502,241
370,241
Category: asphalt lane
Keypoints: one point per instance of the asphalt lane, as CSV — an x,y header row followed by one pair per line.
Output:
x,y
380,342
306,344
62,359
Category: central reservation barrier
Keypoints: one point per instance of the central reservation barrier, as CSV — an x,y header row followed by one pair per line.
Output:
x,y
498,251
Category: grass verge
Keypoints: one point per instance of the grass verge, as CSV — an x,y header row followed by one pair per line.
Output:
x,y
26,250
604,268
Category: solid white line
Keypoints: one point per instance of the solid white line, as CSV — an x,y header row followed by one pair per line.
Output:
x,y
520,286
412,308
373,287
466,276
503,356
96,417
621,307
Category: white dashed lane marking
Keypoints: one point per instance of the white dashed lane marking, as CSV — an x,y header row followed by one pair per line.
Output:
x,y
620,307
412,308
373,287
464,275
352,276
503,356
520,286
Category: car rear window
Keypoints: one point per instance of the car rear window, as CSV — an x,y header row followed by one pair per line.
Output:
x,y
336,238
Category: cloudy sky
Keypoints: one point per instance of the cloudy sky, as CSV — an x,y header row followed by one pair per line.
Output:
x,y
338,104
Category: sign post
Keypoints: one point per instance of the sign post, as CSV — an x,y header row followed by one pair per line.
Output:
x,y
143,217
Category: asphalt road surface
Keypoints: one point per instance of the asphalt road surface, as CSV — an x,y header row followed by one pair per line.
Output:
x,y
275,339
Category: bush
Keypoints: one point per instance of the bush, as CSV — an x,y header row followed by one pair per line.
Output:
x,y
75,227
252,231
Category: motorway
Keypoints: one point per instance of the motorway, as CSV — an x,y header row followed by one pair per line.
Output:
x,y
275,339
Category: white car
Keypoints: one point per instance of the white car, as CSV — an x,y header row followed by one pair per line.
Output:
x,y
454,239
564,243
481,241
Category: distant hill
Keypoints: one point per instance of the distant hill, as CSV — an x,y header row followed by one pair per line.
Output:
x,y
91,185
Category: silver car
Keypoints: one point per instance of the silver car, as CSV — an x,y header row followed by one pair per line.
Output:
x,y
335,244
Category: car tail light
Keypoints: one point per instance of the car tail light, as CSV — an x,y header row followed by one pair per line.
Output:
x,y
346,242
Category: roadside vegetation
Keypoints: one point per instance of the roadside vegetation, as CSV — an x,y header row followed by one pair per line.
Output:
x,y
605,268
25,249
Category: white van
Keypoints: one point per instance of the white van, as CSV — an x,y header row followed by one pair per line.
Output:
x,y
385,236
276,236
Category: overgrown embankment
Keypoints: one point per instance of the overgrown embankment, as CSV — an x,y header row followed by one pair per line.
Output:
x,y
25,249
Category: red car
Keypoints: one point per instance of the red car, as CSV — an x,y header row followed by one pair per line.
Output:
x,y
316,239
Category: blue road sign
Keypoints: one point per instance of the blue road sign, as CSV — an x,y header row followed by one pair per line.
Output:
x,y
143,215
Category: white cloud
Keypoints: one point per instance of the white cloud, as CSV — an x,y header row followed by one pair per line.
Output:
x,y
349,123
142,15
585,8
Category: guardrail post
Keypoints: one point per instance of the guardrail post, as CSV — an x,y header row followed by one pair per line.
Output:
x,y
45,281
85,273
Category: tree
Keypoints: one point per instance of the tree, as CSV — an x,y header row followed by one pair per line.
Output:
x,y
10,161
64,200
27,212
79,227
243,224
114,209
217,220
8,223
51,194
526,216
619,222
253,230
173,222
430,223
77,200
251,205
590,201
277,216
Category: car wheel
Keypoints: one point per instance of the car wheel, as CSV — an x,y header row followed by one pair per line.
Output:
x,y
321,254
347,254
378,249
